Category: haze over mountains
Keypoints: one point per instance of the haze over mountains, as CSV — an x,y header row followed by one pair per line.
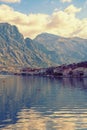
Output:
x,y
43,51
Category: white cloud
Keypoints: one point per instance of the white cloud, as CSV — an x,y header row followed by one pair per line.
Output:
x,y
66,1
72,9
10,1
60,22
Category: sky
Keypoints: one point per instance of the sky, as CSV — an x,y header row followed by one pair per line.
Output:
x,y
67,18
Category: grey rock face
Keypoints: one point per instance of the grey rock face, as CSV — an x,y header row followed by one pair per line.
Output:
x,y
67,50
43,51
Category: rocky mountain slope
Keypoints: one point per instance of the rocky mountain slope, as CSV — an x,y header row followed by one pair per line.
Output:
x,y
67,50
17,51
43,51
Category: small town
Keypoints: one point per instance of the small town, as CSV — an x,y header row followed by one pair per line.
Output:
x,y
71,70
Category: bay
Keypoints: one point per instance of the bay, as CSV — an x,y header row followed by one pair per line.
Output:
x,y
43,103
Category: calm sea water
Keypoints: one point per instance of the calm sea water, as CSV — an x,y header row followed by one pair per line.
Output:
x,y
40,103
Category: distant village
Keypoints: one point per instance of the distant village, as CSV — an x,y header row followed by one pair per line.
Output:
x,y
71,70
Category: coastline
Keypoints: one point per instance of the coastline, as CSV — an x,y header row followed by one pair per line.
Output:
x,y
75,70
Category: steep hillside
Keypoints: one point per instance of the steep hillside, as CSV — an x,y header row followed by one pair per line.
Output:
x,y
43,51
17,51
67,50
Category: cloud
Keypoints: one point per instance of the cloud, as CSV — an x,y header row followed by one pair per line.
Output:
x,y
72,9
60,22
10,1
66,1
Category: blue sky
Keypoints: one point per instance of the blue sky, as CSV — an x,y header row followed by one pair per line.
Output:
x,y
53,10
46,6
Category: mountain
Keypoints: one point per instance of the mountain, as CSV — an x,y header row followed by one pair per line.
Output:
x,y
40,53
43,51
17,51
66,50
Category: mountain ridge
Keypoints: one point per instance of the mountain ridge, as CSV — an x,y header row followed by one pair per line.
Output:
x,y
43,51
69,47
54,35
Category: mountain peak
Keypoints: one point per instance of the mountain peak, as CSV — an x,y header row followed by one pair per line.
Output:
x,y
7,26
47,35
10,32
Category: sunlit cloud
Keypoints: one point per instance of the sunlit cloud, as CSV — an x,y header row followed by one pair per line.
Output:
x,y
72,9
66,1
10,1
61,22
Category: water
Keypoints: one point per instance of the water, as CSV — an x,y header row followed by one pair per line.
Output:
x,y
40,103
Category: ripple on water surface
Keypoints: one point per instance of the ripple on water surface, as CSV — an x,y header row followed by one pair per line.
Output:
x,y
58,105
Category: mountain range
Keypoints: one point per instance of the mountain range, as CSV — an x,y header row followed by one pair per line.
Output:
x,y
43,51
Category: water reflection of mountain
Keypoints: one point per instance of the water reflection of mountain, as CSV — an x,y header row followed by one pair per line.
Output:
x,y
75,82
40,93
